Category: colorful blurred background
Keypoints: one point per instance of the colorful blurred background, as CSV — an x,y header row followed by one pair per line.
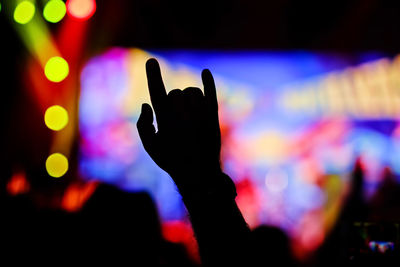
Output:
x,y
300,102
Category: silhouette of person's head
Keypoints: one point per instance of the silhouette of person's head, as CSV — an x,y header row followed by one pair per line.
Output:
x,y
121,225
270,244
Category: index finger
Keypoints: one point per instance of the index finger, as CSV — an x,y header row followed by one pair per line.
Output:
x,y
155,83
210,92
210,96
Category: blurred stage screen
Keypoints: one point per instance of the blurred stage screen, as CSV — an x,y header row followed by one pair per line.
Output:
x,y
293,126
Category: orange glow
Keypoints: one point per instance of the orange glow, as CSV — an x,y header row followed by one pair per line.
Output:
x,y
76,196
18,184
81,9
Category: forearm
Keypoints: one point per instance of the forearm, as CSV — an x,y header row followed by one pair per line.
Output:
x,y
220,229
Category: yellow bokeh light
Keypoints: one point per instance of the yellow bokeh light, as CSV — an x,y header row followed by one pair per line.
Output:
x,y
24,12
56,165
56,69
54,11
56,118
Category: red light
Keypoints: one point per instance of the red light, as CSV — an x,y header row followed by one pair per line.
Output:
x,y
81,9
76,196
181,232
18,184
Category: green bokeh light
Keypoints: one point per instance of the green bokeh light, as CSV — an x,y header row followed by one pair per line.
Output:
x,y
54,11
24,12
56,69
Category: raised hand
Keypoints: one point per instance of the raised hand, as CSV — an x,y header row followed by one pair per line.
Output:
x,y
188,139
187,145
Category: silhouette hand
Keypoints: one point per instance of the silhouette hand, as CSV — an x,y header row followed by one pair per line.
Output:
x,y
187,146
188,141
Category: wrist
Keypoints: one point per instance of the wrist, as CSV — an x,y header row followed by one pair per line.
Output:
x,y
204,185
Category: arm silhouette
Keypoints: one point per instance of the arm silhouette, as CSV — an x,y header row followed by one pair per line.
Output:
x,y
187,146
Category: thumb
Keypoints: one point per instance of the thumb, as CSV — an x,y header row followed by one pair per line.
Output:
x,y
147,132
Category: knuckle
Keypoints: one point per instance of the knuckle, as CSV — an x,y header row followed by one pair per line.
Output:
x,y
175,92
193,90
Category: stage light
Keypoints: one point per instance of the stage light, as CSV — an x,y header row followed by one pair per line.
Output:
x,y
24,12
81,9
56,165
56,69
54,11
276,180
56,118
